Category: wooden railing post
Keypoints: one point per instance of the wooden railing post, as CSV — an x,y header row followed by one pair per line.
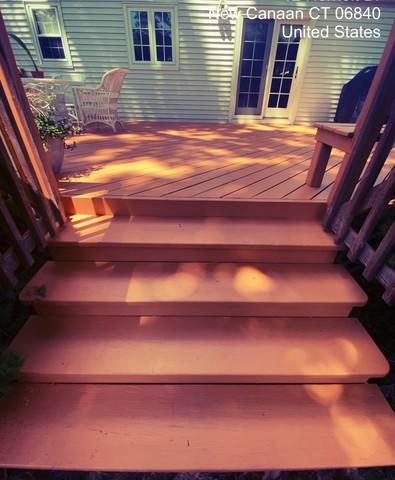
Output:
x,y
380,255
380,155
373,115
381,201
26,129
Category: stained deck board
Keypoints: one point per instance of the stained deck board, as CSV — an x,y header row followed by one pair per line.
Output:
x,y
184,151
99,349
177,288
195,427
184,231
218,239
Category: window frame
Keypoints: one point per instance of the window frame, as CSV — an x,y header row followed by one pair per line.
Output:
x,y
150,9
49,62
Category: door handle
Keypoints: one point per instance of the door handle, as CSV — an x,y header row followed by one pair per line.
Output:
x,y
296,73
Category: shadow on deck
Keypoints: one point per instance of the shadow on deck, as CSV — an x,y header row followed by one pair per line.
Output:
x,y
188,160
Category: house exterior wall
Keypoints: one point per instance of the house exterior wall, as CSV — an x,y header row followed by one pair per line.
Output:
x,y
200,89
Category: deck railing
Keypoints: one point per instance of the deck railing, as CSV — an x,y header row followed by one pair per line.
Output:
x,y
30,206
355,192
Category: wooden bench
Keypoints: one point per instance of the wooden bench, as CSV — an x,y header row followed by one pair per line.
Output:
x,y
328,136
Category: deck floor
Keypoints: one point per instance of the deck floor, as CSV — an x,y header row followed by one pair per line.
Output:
x,y
184,160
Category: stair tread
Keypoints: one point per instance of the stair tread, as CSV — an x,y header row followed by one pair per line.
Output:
x,y
197,349
88,230
191,283
195,427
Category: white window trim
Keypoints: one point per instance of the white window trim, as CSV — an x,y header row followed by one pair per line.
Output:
x,y
49,62
150,8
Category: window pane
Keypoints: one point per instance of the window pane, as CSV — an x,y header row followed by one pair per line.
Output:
x,y
160,54
286,85
292,51
248,50
138,53
243,100
144,37
278,69
259,52
159,37
51,47
276,84
168,37
244,84
273,101
146,54
283,102
144,19
135,19
289,69
255,84
167,20
246,68
257,67
168,54
253,100
46,21
137,37
281,51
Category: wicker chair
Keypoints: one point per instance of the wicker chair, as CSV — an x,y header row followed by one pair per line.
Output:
x,y
99,105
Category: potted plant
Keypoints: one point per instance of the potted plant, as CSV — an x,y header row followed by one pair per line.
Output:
x,y
53,134
36,73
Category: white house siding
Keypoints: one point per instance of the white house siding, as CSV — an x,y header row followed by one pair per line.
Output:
x,y
201,88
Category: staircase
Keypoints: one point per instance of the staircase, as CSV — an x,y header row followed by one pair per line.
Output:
x,y
176,340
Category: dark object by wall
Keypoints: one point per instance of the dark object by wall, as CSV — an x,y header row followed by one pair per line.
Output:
x,y
353,96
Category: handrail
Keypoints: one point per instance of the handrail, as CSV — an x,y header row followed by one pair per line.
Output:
x,y
30,204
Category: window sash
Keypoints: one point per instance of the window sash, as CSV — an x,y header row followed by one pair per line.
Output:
x,y
36,22
152,35
65,59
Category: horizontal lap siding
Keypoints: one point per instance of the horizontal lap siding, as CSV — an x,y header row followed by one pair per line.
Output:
x,y
201,88
333,62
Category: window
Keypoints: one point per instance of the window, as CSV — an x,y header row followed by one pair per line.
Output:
x,y
152,35
49,33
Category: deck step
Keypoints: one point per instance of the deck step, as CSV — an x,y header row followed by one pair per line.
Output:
x,y
106,238
92,204
95,349
195,427
169,288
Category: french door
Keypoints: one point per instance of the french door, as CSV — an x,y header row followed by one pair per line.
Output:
x,y
268,68
254,59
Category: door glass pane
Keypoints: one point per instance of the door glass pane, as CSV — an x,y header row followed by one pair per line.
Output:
x,y
254,50
284,65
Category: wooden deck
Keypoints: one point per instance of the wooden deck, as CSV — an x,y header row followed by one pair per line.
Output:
x,y
184,160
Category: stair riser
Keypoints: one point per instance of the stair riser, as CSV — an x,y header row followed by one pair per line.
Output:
x,y
198,254
160,207
244,309
187,379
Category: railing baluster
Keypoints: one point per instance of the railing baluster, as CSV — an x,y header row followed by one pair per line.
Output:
x,y
380,155
6,277
381,254
387,191
13,234
373,115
